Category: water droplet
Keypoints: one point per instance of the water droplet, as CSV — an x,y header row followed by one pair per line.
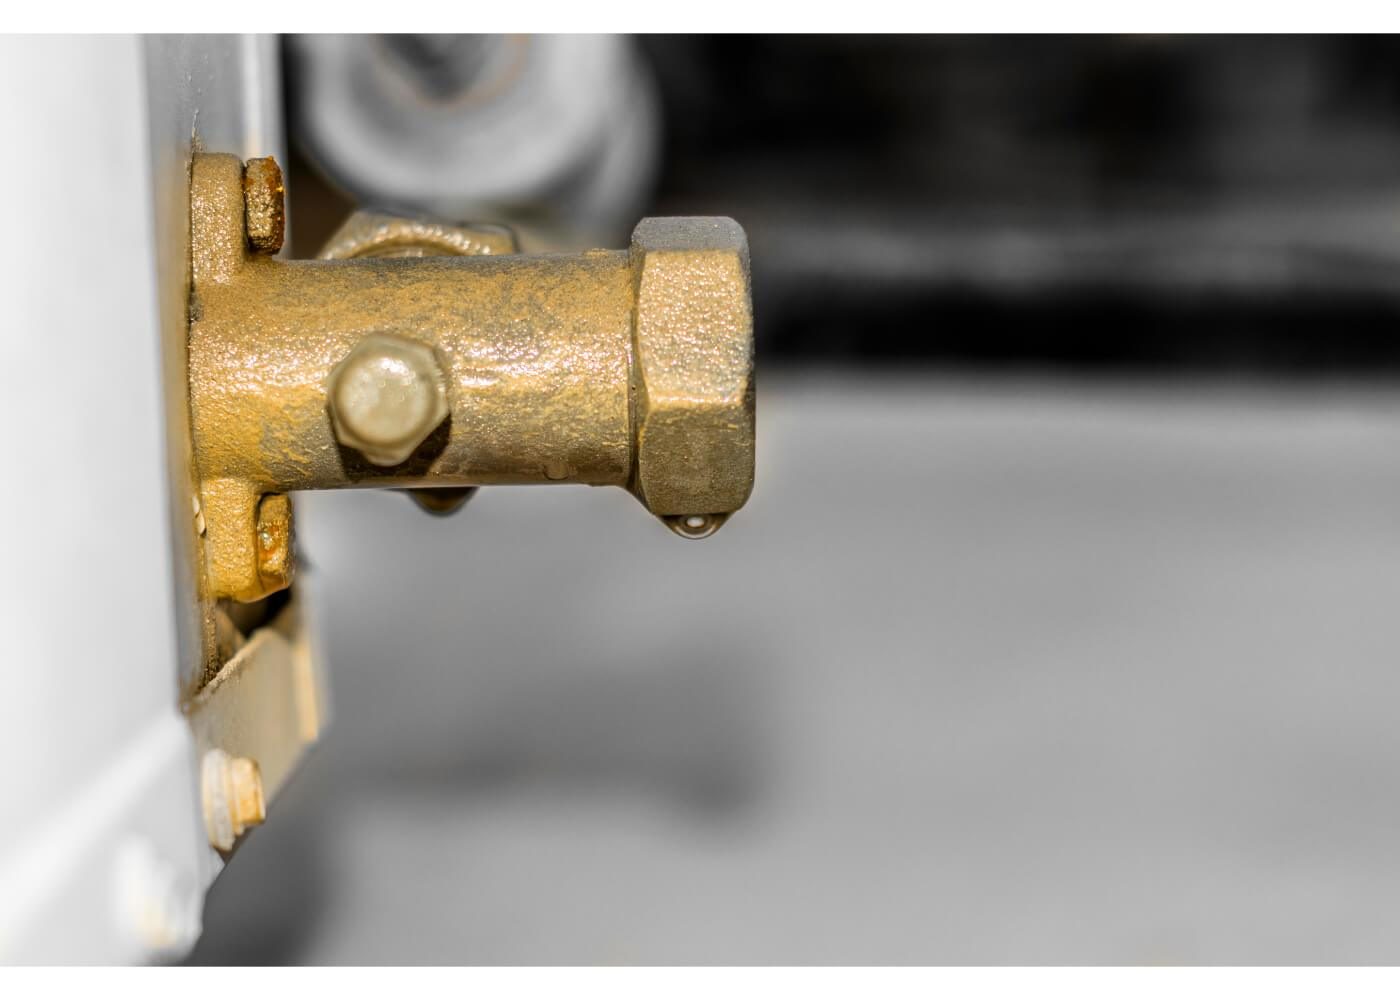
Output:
x,y
694,525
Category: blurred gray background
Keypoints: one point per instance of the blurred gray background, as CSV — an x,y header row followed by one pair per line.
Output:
x,y
1060,627
1039,672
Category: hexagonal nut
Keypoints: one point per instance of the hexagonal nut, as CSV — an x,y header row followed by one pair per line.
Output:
x,y
375,234
264,205
386,396
694,414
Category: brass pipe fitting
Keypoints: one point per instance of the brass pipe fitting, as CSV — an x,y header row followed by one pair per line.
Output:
x,y
625,368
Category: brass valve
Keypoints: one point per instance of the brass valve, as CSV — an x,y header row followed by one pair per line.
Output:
x,y
414,369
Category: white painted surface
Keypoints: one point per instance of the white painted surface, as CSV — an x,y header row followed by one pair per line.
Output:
x,y
102,852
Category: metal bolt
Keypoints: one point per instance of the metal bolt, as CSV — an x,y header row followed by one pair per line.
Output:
x,y
264,205
274,541
233,797
386,397
371,234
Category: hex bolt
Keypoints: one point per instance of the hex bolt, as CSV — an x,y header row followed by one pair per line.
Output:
x,y
264,205
371,234
274,541
386,397
233,797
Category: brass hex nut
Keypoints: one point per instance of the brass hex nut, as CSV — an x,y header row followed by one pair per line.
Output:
x,y
694,396
386,396
273,544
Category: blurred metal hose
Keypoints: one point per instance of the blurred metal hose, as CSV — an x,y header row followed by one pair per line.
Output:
x,y
552,132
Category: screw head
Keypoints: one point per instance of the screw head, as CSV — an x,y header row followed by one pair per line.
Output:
x,y
386,397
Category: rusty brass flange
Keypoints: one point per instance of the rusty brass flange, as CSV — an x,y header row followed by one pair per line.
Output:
x,y
629,368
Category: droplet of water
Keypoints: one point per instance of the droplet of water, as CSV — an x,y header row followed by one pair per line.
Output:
x,y
694,525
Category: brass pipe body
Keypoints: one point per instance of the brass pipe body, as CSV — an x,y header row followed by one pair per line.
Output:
x,y
611,368
536,350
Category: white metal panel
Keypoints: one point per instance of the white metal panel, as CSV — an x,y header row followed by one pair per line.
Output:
x,y
102,853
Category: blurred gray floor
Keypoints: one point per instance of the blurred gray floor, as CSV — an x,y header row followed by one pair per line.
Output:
x,y
1002,672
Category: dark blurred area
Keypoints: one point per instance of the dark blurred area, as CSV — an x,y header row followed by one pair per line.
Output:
x,y
1161,203
1101,202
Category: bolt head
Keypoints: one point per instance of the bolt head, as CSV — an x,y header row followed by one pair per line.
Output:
x,y
264,205
233,797
386,397
694,360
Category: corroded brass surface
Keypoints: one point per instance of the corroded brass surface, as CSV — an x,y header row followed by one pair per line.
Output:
x,y
610,368
264,204
373,234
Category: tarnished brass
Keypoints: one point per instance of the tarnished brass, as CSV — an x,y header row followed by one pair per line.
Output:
x,y
373,234
386,396
610,368
264,204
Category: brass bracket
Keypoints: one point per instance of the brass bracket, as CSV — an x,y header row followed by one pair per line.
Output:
x,y
426,357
